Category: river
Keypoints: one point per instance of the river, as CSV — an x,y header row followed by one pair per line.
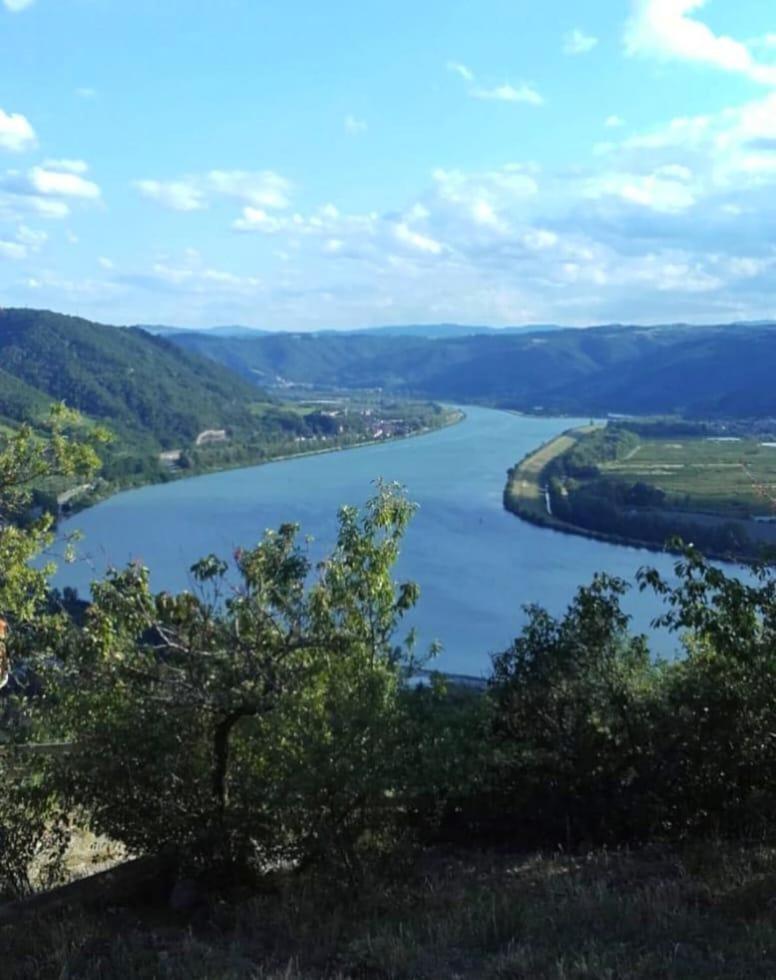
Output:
x,y
476,564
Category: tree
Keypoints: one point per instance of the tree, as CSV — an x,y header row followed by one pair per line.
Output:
x,y
717,765
244,722
570,718
33,823
62,449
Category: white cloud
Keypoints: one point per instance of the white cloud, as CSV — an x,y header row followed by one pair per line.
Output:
x,y
176,195
354,126
459,69
31,238
257,219
540,239
669,189
325,221
509,93
484,214
70,166
106,263
85,92
186,274
497,93
45,191
511,183
256,189
16,5
12,250
16,133
666,29
62,183
48,208
577,42
733,149
25,242
262,188
416,240
614,122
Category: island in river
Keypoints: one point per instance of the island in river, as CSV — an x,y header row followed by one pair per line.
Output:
x,y
646,482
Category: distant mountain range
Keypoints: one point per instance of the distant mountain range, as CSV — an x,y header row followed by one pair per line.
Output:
x,y
430,330
158,330
160,392
715,370
447,331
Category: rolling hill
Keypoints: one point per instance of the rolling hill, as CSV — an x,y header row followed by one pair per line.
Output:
x,y
149,391
172,411
724,370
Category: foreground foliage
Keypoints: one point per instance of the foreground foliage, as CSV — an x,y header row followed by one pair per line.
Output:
x,y
263,728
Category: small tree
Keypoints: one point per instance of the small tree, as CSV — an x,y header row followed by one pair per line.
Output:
x,y
250,722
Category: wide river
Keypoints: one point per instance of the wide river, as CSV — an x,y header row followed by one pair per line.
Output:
x,y
476,564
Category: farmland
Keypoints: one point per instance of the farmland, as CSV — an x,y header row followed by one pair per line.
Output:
x,y
649,481
733,477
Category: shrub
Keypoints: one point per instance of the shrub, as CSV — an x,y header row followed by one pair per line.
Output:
x,y
34,830
572,706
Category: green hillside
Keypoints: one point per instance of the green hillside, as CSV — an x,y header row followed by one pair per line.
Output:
x,y
151,393
171,411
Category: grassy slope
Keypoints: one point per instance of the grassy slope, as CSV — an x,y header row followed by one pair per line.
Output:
x,y
649,915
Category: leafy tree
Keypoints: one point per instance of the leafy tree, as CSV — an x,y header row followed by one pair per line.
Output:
x,y
249,722
717,767
33,823
64,450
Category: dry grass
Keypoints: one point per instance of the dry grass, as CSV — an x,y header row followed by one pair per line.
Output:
x,y
705,913
526,484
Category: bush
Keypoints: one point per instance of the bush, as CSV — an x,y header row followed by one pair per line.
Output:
x,y
572,707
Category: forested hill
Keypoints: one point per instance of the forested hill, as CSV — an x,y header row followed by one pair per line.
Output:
x,y
724,370
145,388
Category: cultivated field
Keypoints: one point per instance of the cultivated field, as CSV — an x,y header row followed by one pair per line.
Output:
x,y
736,478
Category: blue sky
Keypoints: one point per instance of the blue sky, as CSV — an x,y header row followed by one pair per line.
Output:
x,y
304,165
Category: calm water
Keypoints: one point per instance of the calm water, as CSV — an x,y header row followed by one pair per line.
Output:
x,y
475,563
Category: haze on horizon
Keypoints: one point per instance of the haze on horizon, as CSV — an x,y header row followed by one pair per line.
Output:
x,y
347,165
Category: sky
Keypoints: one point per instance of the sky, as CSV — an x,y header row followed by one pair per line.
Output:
x,y
306,165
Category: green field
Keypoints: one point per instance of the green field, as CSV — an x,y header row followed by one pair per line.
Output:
x,y
735,478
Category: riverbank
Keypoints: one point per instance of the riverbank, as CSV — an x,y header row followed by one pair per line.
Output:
x,y
526,495
102,492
